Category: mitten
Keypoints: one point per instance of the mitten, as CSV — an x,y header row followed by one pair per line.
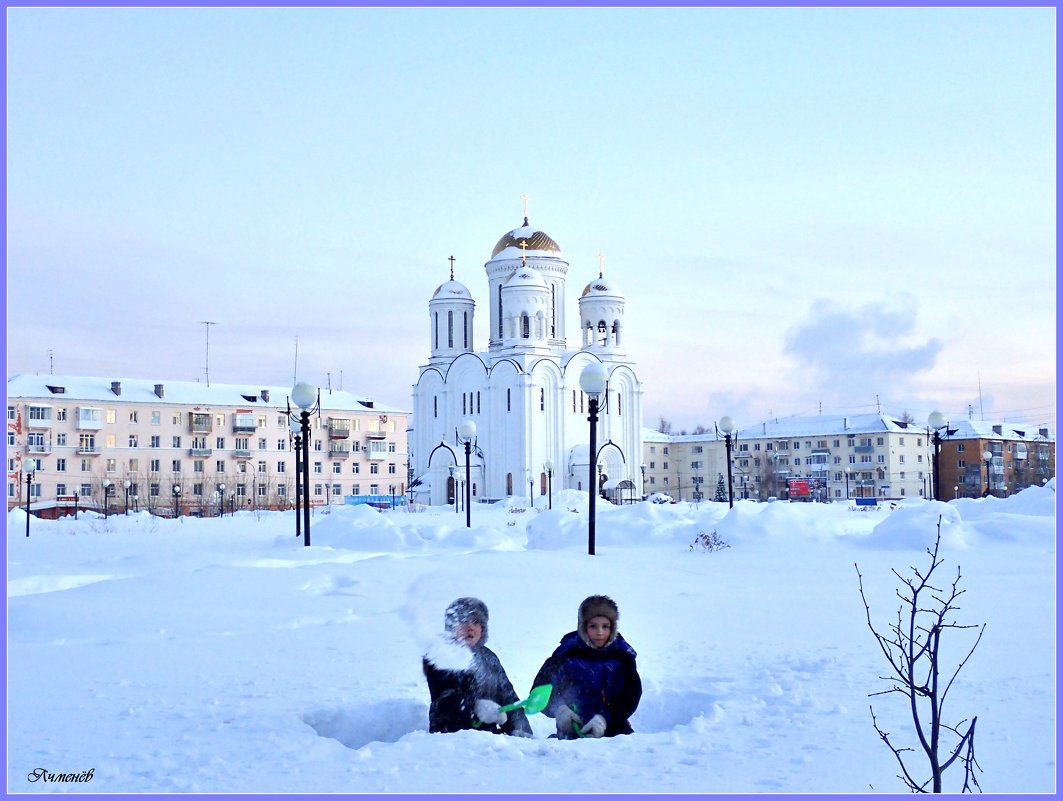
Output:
x,y
565,717
487,711
595,727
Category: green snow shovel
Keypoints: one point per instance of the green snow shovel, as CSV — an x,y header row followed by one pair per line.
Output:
x,y
536,701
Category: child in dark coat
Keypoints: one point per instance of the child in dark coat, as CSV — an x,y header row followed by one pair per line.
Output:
x,y
466,680
596,683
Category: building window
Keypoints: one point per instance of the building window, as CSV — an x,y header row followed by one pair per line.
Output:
x,y
176,466
261,466
155,465
391,469
219,467
60,440
176,442
317,467
60,466
282,467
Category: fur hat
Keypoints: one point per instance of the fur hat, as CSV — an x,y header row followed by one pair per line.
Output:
x,y
598,606
464,610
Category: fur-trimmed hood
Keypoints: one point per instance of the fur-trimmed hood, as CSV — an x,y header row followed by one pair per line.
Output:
x,y
598,606
464,610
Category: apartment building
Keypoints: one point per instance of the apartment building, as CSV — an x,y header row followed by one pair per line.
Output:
x,y
1019,457
843,457
178,447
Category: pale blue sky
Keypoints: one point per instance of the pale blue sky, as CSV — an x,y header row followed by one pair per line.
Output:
x,y
806,209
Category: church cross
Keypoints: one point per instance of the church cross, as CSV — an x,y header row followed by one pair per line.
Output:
x,y
524,197
524,251
451,268
601,260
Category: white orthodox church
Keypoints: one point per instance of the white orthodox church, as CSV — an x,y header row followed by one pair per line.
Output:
x,y
522,392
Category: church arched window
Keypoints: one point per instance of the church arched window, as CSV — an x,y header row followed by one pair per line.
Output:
x,y
603,333
450,329
500,311
509,483
542,399
525,326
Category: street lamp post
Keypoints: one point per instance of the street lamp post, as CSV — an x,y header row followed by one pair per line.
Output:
x,y
937,422
308,399
468,434
549,483
727,425
848,472
106,496
128,484
28,467
221,500
592,381
642,467
176,501
987,455
297,446
455,485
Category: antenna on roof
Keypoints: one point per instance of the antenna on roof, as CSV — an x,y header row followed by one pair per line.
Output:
x,y
295,374
206,368
981,409
51,365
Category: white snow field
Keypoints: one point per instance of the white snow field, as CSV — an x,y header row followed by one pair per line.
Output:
x,y
221,655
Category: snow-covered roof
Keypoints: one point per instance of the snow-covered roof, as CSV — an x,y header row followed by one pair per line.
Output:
x,y
602,286
451,290
856,424
526,276
64,388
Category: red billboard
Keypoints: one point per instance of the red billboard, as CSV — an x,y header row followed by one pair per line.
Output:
x,y
799,487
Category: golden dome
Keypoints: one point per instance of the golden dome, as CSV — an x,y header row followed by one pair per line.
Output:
x,y
535,241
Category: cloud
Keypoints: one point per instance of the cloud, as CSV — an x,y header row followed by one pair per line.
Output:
x,y
845,352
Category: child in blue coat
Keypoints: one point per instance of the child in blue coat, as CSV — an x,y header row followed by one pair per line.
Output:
x,y
596,682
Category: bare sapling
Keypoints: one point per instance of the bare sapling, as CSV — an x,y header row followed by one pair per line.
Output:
x,y
912,647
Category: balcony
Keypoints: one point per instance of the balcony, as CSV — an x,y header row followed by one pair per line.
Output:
x,y
200,451
241,454
864,449
39,447
376,434
339,451
200,424
373,455
244,428
89,450
338,428
89,419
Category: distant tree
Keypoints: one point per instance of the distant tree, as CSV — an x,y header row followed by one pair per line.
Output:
x,y
912,647
721,489
664,426
906,417
700,429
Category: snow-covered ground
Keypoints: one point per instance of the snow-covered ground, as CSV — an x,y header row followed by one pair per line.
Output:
x,y
221,655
